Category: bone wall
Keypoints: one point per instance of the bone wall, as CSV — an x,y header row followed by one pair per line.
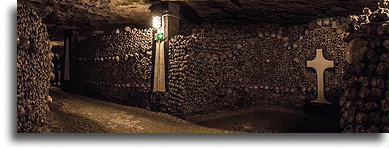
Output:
x,y
33,71
218,68
115,67
214,68
365,99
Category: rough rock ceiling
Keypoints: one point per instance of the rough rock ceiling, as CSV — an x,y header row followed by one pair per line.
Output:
x,y
276,11
91,15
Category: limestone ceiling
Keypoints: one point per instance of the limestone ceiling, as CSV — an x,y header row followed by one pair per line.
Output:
x,y
92,15
276,11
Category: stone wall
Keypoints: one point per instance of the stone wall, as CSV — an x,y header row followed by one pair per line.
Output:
x,y
365,99
33,71
215,67
115,67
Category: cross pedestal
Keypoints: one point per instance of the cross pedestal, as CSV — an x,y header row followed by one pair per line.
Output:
x,y
320,64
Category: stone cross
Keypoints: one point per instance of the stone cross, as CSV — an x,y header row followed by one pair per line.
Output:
x,y
320,64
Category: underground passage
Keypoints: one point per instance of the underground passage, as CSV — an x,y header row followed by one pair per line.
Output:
x,y
202,66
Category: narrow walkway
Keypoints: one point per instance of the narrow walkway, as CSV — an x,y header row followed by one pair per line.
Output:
x,y
77,114
72,113
270,120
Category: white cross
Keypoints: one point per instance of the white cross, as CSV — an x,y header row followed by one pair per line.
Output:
x,y
320,64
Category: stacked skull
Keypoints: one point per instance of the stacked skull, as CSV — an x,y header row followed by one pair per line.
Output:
x,y
326,34
204,72
218,68
116,67
364,102
33,71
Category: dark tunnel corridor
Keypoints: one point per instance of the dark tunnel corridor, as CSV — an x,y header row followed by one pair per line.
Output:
x,y
227,66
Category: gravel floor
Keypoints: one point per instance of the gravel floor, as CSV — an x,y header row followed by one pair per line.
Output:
x,y
77,114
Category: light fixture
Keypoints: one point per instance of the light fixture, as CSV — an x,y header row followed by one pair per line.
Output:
x,y
157,22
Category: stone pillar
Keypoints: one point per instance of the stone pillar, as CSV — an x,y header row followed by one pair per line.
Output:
x,y
70,41
169,13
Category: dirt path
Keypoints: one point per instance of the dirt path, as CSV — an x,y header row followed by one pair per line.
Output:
x,y
77,114
270,120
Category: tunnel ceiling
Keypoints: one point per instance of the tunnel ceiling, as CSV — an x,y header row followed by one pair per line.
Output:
x,y
92,15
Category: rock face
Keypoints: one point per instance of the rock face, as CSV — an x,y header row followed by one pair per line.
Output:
x,y
87,15
33,71
365,99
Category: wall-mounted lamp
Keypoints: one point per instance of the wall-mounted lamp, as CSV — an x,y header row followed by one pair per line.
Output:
x,y
157,22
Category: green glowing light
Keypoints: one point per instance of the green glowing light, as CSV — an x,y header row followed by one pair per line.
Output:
x,y
159,36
